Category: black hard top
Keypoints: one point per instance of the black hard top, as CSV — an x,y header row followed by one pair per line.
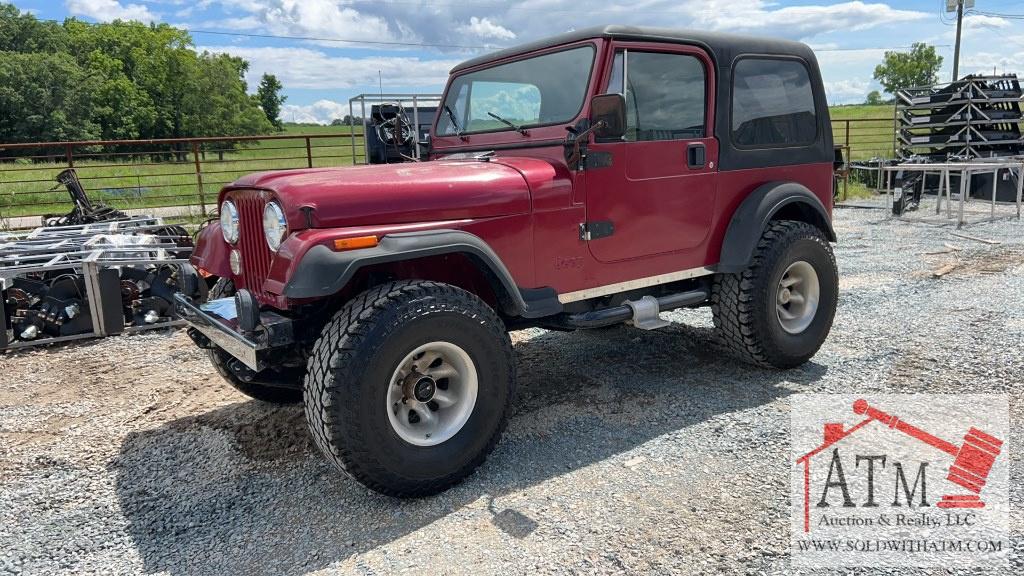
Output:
x,y
722,47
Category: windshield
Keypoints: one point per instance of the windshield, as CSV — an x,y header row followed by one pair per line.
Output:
x,y
537,91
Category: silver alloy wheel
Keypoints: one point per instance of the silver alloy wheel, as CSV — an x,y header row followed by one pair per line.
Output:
x,y
432,393
796,300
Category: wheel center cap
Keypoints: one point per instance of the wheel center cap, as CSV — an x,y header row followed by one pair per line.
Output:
x,y
424,389
784,296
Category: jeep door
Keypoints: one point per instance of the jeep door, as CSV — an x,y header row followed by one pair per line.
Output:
x,y
653,191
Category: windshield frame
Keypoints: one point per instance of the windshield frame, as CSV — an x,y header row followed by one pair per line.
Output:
x,y
530,55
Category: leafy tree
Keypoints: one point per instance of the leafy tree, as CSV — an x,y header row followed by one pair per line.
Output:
x,y
124,80
24,33
122,109
218,103
45,97
919,67
269,96
355,120
874,98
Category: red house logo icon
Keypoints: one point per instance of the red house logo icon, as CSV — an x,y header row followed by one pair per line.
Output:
x,y
971,461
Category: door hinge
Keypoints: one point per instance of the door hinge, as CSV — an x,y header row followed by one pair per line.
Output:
x,y
595,230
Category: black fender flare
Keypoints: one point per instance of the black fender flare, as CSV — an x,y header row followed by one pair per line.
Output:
x,y
752,217
323,272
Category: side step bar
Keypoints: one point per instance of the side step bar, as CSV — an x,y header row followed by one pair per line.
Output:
x,y
642,311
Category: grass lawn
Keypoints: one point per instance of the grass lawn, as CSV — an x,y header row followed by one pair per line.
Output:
x,y
870,130
162,178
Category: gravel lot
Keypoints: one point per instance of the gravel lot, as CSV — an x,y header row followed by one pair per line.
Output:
x,y
629,451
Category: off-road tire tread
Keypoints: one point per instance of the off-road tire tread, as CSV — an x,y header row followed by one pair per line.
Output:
x,y
330,367
732,300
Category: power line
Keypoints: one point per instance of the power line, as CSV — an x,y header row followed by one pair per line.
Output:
x,y
874,49
413,44
342,40
996,14
303,38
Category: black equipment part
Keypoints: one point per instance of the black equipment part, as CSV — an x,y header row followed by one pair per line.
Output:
x,y
4,327
110,300
84,211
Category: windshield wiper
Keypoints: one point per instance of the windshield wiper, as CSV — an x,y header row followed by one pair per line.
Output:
x,y
455,123
515,127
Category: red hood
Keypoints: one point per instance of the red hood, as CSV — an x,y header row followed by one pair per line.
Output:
x,y
394,193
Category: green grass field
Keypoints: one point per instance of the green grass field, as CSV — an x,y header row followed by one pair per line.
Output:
x,y
166,179
870,130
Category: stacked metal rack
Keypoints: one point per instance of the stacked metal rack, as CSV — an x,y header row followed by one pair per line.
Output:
x,y
974,117
84,281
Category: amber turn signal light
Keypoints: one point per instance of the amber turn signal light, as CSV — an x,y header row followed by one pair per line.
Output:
x,y
355,243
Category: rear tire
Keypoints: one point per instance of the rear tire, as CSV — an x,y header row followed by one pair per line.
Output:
x,y
277,386
362,389
779,310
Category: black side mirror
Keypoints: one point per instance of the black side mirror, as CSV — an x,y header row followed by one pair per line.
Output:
x,y
610,111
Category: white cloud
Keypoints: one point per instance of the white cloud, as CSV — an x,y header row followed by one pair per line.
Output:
x,y
317,18
972,21
801,21
459,23
484,28
319,112
1004,62
313,69
107,10
847,91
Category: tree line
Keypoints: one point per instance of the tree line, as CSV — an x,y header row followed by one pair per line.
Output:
x,y
124,80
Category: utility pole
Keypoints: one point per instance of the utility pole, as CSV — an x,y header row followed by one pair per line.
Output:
x,y
958,7
956,50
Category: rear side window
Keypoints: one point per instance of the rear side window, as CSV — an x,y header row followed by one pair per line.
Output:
x,y
772,104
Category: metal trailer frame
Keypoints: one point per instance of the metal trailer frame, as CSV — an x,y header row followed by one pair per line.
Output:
x,y
978,103
384,98
966,171
67,248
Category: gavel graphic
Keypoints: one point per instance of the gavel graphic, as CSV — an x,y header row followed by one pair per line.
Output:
x,y
972,461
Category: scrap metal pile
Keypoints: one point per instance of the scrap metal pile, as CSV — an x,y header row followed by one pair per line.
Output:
x,y
93,278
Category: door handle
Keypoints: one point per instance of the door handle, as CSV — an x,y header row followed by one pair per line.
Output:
x,y
696,156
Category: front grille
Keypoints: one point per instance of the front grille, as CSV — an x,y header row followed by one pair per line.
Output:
x,y
256,254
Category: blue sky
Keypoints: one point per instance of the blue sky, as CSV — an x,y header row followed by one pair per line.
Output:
x,y
320,76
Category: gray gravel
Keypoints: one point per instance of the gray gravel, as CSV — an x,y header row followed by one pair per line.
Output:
x,y
629,451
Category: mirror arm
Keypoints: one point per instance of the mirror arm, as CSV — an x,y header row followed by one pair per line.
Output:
x,y
575,159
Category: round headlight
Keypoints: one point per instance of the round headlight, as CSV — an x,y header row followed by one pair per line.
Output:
x,y
229,221
275,227
235,259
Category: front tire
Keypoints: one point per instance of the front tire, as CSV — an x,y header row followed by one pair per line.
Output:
x,y
779,310
409,387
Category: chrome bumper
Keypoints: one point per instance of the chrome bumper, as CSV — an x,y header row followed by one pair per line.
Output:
x,y
274,331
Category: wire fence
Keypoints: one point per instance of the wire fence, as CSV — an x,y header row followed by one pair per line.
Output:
x,y
865,138
188,172
152,174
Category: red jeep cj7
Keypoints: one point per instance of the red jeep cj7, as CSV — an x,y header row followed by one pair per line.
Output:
x,y
594,178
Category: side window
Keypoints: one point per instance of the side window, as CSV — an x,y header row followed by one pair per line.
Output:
x,y
772,104
458,109
665,95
